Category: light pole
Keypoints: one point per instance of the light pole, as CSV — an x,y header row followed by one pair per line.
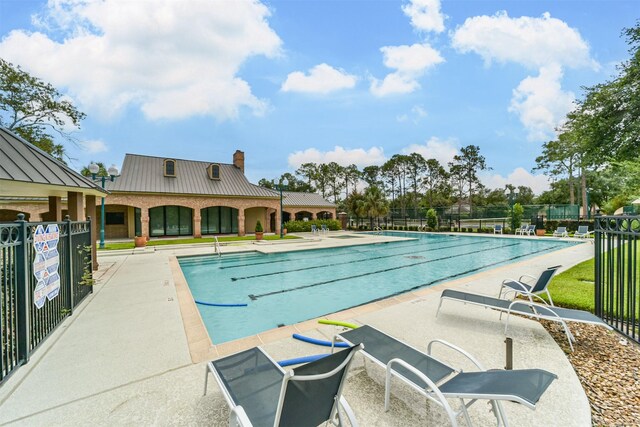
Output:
x,y
283,184
588,190
113,172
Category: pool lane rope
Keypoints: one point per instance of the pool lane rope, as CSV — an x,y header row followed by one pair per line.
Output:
x,y
213,304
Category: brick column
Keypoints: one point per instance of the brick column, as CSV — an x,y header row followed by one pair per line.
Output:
x,y
241,230
144,221
90,210
314,215
197,224
75,204
55,210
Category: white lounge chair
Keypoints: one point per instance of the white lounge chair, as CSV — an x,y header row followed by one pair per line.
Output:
x,y
437,381
521,287
583,232
526,308
497,229
531,230
522,230
561,232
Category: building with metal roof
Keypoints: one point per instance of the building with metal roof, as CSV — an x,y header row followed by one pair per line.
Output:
x,y
158,197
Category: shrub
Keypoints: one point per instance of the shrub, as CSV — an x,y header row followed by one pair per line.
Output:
x,y
305,226
259,228
432,219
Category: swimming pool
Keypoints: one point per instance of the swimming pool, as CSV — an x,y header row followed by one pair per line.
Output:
x,y
287,288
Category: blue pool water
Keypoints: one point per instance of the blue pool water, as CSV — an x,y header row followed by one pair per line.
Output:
x,y
286,288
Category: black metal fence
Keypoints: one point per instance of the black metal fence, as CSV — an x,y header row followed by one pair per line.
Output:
x,y
24,326
617,272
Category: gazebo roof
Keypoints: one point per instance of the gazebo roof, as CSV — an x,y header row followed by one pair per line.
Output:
x,y
27,171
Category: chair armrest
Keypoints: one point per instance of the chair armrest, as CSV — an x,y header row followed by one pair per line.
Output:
x,y
524,289
239,417
456,348
528,276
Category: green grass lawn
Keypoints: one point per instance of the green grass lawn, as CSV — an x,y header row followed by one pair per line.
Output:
x,y
203,240
575,288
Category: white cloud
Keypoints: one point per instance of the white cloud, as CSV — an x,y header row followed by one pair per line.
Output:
x,y
410,63
519,176
94,146
425,15
442,150
359,156
417,113
532,42
322,78
546,44
541,103
170,59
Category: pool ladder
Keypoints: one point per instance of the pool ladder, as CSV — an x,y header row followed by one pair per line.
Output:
x,y
216,246
377,230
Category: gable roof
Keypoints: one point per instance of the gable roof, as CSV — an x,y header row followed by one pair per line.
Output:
x,y
145,174
292,198
32,172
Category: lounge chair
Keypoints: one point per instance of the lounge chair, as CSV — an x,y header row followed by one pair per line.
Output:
x,y
561,232
522,230
521,287
324,229
314,229
531,230
497,229
526,308
583,232
438,381
259,392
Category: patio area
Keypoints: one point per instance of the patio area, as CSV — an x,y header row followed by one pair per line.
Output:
x,y
126,356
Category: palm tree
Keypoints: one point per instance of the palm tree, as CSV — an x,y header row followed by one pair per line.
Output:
x,y
373,205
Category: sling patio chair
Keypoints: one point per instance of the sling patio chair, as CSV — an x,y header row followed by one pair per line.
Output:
x,y
261,393
521,287
437,381
526,308
531,230
561,232
583,232
497,229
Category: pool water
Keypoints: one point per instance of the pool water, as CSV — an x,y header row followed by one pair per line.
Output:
x,y
287,288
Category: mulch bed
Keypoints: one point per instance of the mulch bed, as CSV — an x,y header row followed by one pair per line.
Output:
x,y
608,366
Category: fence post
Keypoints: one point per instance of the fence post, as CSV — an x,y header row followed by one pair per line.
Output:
x,y
22,285
67,220
597,236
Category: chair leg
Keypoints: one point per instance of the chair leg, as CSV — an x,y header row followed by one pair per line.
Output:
x,y
206,379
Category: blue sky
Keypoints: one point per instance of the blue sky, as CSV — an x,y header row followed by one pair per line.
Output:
x,y
295,81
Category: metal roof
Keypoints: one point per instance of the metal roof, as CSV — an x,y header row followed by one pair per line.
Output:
x,y
22,162
145,174
291,198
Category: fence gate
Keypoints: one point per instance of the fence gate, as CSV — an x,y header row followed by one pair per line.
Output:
x,y
617,272
45,271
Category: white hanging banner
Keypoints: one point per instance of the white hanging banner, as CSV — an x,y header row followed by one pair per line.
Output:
x,y
46,263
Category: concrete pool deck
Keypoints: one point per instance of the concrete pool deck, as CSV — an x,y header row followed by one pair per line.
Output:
x,y
127,355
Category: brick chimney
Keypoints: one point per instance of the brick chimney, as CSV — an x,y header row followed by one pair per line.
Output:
x,y
238,160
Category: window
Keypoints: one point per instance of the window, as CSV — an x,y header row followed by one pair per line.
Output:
x,y
170,221
170,168
114,218
219,219
214,171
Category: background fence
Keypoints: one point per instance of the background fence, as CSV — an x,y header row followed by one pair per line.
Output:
x,y
617,271
23,326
